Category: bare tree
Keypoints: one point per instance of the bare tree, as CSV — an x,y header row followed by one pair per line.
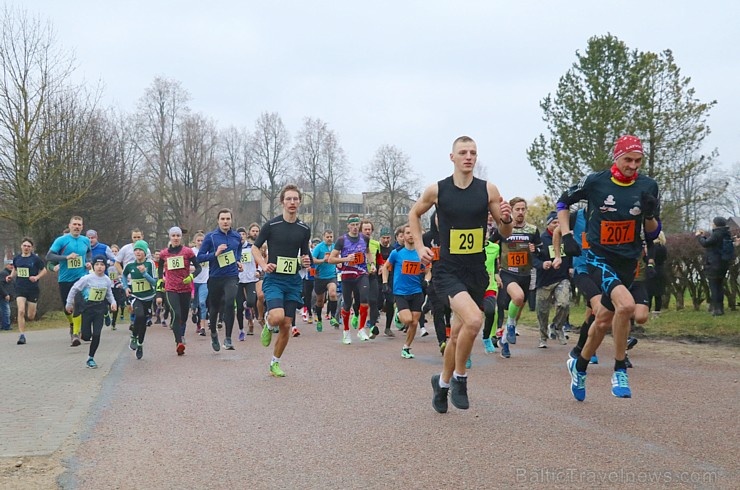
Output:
x,y
34,71
192,174
160,111
393,177
309,153
331,176
269,147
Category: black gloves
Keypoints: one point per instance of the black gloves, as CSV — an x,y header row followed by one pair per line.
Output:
x,y
570,245
649,204
386,289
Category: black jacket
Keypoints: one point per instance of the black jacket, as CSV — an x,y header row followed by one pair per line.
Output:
x,y
6,288
712,244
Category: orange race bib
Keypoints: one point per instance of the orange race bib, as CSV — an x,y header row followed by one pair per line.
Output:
x,y
435,254
357,259
517,259
617,232
584,242
410,267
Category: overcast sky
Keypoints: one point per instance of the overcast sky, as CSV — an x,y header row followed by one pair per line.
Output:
x,y
415,74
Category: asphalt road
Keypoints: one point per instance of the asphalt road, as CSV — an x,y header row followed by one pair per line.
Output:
x,y
360,416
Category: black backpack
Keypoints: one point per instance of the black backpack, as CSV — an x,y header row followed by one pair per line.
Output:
x,y
727,252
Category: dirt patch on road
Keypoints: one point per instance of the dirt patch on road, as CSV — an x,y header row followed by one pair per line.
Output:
x,y
30,472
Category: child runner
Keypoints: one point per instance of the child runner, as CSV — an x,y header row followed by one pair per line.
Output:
x,y
96,293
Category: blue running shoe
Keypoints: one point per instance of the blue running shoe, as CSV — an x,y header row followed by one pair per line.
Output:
x,y
594,359
469,363
488,346
511,333
577,381
91,363
505,350
620,384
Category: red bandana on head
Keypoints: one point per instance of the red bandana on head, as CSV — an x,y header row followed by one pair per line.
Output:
x,y
625,144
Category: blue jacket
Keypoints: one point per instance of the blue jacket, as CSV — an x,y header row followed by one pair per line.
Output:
x,y
226,267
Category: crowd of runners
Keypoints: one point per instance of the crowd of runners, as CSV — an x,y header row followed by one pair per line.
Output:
x,y
471,270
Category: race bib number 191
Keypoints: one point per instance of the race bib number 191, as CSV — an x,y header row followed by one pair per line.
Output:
x,y
466,241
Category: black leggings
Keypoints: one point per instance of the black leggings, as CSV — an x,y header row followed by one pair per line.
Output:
x,y
142,311
373,296
221,297
440,313
92,324
489,310
359,287
179,304
245,293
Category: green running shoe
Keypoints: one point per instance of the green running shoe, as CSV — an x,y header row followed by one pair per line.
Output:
x,y
276,371
406,353
266,336
319,326
354,321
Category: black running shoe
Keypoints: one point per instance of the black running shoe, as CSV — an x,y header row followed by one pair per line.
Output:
x,y
631,342
459,392
439,400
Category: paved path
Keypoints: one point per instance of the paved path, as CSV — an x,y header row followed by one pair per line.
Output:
x,y
359,416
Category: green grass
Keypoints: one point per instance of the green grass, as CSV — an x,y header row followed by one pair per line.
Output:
x,y
55,319
687,324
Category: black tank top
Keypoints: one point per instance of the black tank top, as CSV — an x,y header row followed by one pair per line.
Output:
x,y
463,217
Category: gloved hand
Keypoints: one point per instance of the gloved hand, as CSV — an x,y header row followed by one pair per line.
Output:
x,y
188,279
651,272
570,245
160,285
649,204
386,288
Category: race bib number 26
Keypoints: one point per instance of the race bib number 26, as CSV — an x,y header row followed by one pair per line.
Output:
x,y
286,265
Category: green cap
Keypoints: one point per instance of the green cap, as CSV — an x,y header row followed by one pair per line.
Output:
x,y
385,231
141,245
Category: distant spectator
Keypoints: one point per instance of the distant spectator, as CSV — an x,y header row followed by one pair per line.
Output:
x,y
657,256
716,261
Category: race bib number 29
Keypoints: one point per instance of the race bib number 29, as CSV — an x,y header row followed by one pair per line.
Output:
x,y
464,242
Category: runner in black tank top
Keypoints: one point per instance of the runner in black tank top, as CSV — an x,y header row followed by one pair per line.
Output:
x,y
460,276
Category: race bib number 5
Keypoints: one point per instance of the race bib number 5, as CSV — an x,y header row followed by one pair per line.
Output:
x,y
287,265
175,263
617,232
466,241
226,259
